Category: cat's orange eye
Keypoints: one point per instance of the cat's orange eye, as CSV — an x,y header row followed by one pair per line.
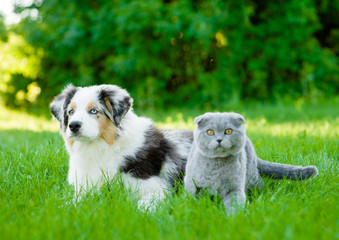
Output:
x,y
228,131
210,132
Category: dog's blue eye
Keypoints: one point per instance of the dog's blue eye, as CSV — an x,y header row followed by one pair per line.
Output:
x,y
93,111
71,112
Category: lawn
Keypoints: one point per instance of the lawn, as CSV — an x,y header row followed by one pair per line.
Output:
x,y
35,199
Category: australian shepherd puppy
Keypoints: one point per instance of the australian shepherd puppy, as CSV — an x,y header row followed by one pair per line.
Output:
x,y
103,136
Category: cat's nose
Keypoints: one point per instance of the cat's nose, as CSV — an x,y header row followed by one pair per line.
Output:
x,y
219,140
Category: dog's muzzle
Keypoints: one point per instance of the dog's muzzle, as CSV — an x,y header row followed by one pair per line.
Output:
x,y
75,126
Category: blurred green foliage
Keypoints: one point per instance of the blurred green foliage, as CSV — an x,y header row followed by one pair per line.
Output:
x,y
198,53
3,29
19,67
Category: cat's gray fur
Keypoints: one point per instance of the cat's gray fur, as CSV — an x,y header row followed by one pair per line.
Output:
x,y
228,164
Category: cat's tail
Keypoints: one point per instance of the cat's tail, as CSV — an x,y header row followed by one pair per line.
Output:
x,y
280,171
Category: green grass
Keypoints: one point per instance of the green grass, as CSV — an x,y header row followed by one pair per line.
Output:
x,y
35,197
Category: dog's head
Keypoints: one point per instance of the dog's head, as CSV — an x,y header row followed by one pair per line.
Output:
x,y
89,113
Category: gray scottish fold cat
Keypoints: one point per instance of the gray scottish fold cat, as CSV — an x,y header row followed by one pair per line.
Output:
x,y
223,160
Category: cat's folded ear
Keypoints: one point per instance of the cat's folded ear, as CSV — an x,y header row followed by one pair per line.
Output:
x,y
237,119
200,120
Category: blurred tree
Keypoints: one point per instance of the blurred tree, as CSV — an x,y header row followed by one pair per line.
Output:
x,y
203,53
3,30
328,34
19,71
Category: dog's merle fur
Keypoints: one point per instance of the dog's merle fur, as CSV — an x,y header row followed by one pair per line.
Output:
x,y
149,160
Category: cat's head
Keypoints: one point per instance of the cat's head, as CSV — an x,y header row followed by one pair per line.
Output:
x,y
219,134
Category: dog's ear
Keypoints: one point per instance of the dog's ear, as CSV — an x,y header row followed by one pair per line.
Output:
x,y
60,103
115,101
237,119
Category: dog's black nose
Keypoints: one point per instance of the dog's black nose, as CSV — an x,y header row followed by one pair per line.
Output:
x,y
75,126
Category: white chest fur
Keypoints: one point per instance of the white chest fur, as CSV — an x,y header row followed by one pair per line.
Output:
x,y
94,162
91,164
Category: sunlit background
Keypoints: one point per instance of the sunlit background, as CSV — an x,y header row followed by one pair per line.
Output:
x,y
165,53
7,10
